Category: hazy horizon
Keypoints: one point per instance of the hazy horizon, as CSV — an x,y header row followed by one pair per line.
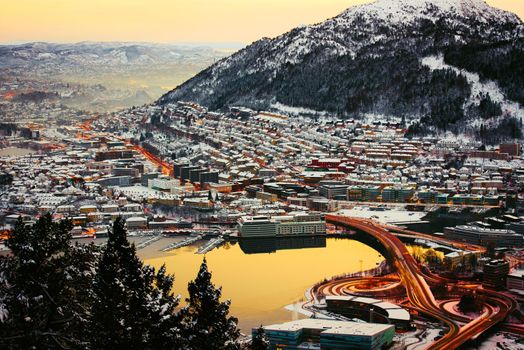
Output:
x,y
130,42
197,22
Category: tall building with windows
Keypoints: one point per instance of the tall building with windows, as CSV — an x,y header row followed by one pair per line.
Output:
x,y
495,273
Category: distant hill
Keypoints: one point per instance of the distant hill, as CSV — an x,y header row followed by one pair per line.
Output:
x,y
98,55
104,76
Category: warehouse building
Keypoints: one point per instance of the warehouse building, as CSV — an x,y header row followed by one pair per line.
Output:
x,y
369,309
483,236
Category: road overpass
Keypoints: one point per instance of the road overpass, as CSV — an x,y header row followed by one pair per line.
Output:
x,y
418,291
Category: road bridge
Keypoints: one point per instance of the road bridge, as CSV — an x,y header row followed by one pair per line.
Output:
x,y
419,293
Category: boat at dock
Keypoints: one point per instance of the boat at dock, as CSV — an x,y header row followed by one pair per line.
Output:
x,y
185,242
212,244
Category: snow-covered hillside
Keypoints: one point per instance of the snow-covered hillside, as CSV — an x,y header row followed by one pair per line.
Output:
x,y
367,60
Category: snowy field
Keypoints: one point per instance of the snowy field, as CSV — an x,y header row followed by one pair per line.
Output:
x,y
392,216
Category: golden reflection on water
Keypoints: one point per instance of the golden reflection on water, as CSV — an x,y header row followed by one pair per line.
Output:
x,y
261,285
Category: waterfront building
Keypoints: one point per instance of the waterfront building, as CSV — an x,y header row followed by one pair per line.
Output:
x,y
292,224
369,310
136,223
483,236
328,334
301,228
257,226
515,280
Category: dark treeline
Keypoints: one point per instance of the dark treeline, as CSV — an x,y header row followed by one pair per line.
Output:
x,y
58,295
508,129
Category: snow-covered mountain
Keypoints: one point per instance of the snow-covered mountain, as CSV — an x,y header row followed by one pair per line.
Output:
x,y
370,59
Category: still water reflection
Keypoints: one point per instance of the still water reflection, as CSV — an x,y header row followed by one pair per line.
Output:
x,y
261,278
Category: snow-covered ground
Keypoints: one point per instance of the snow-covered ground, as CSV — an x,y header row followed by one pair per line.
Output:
x,y
387,216
138,193
296,110
500,341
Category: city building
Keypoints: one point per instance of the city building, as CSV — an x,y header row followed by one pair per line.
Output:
x,y
484,236
136,223
266,196
369,310
515,280
328,334
513,149
495,273
333,191
257,226
397,194
148,176
115,181
292,224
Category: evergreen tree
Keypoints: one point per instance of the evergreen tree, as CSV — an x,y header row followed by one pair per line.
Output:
x,y
205,318
165,330
56,295
259,341
134,307
45,287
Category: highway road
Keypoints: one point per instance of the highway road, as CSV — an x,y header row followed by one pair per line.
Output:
x,y
419,293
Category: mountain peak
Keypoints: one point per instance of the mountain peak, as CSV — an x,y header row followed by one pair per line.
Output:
x,y
402,11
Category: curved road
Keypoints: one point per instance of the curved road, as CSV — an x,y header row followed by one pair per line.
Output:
x,y
498,305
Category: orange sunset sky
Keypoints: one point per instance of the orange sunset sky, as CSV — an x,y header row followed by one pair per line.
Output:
x,y
209,21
